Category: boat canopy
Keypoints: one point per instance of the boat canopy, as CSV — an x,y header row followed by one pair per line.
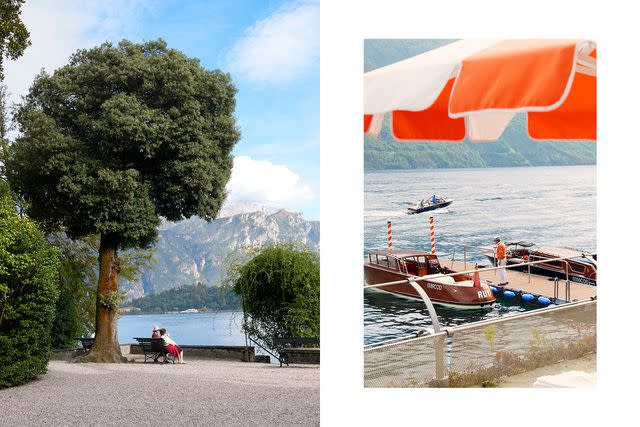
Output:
x,y
473,89
400,254
561,252
521,244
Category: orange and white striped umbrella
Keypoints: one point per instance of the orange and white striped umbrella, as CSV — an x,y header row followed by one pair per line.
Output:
x,y
473,88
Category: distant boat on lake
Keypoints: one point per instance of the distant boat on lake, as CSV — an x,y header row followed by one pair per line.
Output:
x,y
429,204
190,310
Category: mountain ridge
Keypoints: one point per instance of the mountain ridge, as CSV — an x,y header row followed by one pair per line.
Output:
x,y
192,250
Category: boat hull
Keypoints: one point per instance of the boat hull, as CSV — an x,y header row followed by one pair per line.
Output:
x,y
461,297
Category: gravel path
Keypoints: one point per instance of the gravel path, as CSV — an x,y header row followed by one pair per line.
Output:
x,y
201,392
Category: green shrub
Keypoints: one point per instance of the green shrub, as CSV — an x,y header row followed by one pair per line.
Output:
x,y
280,289
28,295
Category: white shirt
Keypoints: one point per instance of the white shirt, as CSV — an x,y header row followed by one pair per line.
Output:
x,y
167,340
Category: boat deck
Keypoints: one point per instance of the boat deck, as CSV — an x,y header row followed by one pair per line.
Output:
x,y
539,285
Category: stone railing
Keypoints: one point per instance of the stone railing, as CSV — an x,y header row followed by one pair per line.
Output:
x,y
219,352
224,352
310,356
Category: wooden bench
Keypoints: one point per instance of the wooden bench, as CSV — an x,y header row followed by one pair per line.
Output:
x,y
153,348
87,343
281,343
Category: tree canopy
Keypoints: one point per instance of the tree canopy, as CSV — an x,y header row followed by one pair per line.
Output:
x,y
14,37
280,289
121,135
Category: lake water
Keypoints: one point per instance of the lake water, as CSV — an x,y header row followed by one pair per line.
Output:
x,y
214,328
550,206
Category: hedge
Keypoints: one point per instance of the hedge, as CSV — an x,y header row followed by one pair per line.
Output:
x,y
28,295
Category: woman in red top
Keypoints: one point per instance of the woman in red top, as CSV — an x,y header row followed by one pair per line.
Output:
x,y
171,346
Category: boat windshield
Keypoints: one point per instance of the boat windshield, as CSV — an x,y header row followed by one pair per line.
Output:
x,y
383,260
419,259
416,265
588,260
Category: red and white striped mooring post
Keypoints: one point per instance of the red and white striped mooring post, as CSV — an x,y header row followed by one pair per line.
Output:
x,y
433,236
390,243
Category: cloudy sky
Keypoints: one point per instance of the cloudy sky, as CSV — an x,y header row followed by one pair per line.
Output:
x,y
271,49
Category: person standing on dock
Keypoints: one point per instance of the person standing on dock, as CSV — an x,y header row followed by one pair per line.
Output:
x,y
501,258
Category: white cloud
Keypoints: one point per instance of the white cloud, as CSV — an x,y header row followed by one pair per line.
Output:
x,y
263,182
59,28
281,47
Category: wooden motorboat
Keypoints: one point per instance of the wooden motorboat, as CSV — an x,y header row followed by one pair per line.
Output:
x,y
460,291
428,205
580,270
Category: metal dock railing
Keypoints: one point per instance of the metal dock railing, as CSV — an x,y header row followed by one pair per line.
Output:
x,y
464,355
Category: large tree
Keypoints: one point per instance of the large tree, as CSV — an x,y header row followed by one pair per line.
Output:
x,y
14,37
115,139
76,309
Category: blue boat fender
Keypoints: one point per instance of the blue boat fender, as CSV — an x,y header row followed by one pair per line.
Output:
x,y
494,289
509,294
544,300
527,297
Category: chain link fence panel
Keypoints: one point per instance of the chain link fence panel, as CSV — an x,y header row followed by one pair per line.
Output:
x,y
481,353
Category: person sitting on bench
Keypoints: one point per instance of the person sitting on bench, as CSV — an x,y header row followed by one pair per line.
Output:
x,y
156,334
171,346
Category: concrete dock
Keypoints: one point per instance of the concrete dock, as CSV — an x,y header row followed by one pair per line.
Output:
x,y
535,284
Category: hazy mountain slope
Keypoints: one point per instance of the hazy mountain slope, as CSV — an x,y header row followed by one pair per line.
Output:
x,y
194,250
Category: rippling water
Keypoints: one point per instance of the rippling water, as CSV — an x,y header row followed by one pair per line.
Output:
x,y
551,206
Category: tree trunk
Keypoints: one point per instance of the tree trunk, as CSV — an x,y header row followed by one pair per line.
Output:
x,y
106,348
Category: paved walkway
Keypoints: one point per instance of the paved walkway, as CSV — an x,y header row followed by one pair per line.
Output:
x,y
201,392
585,364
